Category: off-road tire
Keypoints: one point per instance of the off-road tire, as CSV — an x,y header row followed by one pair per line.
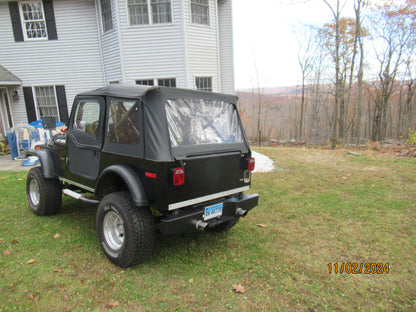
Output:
x,y
225,226
44,195
126,232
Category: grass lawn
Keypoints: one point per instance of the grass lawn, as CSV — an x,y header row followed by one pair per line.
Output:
x,y
317,209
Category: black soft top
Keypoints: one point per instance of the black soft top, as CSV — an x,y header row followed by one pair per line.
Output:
x,y
140,92
157,144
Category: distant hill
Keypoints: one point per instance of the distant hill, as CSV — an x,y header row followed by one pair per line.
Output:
x,y
292,90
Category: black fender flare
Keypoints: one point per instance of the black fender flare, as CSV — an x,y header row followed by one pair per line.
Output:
x,y
46,161
132,180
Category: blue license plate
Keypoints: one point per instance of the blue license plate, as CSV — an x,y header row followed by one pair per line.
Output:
x,y
212,212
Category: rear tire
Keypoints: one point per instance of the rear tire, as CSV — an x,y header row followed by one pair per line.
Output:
x,y
44,195
126,232
225,226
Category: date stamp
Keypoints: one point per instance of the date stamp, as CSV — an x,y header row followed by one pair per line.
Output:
x,y
358,268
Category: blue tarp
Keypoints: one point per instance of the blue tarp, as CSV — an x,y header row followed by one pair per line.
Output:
x,y
39,123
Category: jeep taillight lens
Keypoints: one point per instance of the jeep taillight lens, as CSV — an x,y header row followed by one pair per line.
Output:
x,y
178,176
251,164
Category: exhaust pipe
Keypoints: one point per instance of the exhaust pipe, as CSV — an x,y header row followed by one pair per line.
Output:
x,y
78,196
201,225
241,212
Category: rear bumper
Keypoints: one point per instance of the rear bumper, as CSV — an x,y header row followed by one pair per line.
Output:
x,y
189,219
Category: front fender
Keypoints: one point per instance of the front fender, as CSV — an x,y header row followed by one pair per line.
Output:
x,y
46,161
130,178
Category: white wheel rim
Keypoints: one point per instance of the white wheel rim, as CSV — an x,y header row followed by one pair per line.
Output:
x,y
34,192
113,228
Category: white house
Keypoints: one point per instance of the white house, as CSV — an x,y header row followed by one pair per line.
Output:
x,y
51,50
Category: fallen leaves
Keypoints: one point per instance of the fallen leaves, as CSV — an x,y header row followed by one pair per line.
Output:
x,y
32,297
31,261
7,252
113,304
261,225
239,289
57,235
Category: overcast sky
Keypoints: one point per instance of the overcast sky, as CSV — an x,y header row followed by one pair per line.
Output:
x,y
264,34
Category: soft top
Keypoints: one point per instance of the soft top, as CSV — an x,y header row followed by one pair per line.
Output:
x,y
139,91
157,145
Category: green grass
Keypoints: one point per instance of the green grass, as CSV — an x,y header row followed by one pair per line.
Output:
x,y
323,207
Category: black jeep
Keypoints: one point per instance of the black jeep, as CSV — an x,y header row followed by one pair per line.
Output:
x,y
153,158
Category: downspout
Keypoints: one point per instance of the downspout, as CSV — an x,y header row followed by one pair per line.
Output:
x,y
219,78
100,41
120,44
185,50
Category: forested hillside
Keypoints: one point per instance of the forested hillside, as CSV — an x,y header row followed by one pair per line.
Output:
x,y
357,84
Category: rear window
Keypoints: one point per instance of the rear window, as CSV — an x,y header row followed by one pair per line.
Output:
x,y
198,121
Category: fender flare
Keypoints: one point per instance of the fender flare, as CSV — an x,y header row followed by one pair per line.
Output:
x,y
46,161
132,180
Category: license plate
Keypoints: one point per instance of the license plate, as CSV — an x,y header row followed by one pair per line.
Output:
x,y
212,212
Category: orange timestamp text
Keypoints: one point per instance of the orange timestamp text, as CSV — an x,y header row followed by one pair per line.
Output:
x,y
358,268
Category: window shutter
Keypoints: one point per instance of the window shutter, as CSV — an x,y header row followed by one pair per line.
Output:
x,y
30,104
62,104
16,24
50,19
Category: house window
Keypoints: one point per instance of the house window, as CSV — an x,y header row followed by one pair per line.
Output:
x,y
138,12
200,12
145,82
142,12
167,82
106,15
161,11
46,102
203,83
33,20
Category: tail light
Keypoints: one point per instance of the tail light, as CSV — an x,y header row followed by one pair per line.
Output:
x,y
178,176
251,164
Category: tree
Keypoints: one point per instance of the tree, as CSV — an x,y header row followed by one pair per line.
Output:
x,y
306,58
394,31
357,9
337,14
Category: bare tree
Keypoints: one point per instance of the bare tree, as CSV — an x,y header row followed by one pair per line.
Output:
x,y
336,11
306,58
394,29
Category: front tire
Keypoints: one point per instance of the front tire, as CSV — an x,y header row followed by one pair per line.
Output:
x,y
126,232
44,195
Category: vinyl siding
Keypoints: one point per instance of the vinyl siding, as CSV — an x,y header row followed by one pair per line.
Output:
x,y
110,45
85,58
202,46
73,60
153,51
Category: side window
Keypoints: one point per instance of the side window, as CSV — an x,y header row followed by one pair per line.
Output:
x,y
87,117
123,122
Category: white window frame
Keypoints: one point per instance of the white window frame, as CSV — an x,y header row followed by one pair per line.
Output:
x,y
137,81
170,80
35,98
102,16
205,81
194,3
150,13
156,81
24,21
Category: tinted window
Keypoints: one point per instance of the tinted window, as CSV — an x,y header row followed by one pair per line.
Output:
x,y
123,122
